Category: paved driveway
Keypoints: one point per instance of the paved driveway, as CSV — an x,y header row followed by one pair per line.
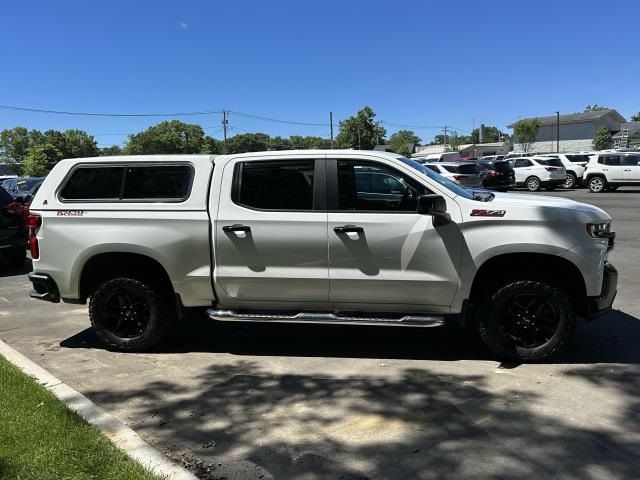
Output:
x,y
318,402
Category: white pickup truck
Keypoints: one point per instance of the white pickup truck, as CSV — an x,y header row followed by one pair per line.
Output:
x,y
324,236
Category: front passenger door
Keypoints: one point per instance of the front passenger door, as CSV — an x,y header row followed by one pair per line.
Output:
x,y
382,253
631,168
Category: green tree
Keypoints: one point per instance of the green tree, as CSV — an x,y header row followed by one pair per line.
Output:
x,y
361,131
40,159
78,144
309,142
491,134
399,141
14,145
211,146
165,138
111,151
526,132
636,117
248,142
595,108
602,139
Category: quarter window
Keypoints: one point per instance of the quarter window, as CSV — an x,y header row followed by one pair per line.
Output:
x,y
367,186
277,185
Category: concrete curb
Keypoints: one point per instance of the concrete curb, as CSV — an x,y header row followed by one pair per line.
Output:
x,y
122,436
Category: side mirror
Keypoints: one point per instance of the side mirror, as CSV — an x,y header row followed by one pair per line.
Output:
x,y
434,205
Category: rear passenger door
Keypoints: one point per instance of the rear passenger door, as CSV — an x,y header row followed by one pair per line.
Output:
x,y
270,234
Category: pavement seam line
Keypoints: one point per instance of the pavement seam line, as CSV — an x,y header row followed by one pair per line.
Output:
x,y
112,427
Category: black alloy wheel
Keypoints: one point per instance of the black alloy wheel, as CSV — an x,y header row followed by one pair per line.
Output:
x,y
126,314
528,320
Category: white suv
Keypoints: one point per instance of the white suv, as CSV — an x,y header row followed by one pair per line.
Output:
x,y
535,172
575,164
608,171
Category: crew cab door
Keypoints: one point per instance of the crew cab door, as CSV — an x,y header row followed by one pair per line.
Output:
x,y
270,234
382,253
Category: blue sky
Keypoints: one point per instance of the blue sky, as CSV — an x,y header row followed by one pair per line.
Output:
x,y
414,62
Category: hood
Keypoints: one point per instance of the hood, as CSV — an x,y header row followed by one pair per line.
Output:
x,y
526,202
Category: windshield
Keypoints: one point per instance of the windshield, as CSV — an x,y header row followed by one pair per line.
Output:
x,y
27,184
439,179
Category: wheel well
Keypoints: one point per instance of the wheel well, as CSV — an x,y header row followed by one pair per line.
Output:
x,y
557,271
592,175
572,173
104,266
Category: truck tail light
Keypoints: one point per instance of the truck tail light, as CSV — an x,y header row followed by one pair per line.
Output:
x,y
34,222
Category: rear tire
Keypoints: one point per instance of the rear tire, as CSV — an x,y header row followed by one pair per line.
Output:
x,y
597,184
533,184
526,321
129,315
570,181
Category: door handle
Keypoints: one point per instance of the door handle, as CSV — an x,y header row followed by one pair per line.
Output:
x,y
627,169
348,229
236,228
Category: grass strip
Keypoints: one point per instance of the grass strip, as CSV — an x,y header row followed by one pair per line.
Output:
x,y
41,439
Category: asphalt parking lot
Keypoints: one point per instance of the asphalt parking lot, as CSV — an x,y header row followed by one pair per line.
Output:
x,y
331,402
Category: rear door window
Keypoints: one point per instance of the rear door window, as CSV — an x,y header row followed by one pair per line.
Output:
x,y
275,185
612,160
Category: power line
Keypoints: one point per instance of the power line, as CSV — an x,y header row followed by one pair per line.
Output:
x,y
277,120
102,114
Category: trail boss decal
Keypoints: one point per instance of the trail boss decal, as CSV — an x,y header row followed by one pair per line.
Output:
x,y
479,212
70,213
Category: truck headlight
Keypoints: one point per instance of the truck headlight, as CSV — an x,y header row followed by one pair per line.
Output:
x,y
599,230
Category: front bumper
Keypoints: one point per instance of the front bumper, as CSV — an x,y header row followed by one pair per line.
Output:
x,y
44,287
603,302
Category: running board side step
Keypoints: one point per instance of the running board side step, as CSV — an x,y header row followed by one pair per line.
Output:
x,y
324,318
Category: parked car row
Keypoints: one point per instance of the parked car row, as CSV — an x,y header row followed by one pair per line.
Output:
x,y
493,175
16,195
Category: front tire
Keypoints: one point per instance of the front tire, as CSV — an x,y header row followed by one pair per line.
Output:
x,y
597,184
533,184
526,321
129,315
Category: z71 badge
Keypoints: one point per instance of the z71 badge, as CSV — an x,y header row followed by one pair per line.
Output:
x,y
70,213
479,212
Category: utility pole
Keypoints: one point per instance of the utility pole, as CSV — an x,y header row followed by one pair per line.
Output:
x,y
225,124
444,144
331,123
557,132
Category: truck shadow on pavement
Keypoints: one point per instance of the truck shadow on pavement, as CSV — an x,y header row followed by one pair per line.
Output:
x,y
613,338
251,422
